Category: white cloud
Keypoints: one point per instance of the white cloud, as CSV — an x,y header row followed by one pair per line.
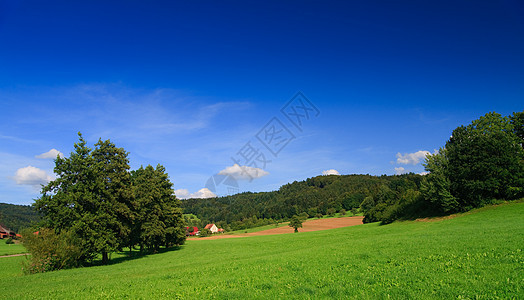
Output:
x,y
400,171
243,172
411,158
50,154
31,176
330,172
201,194
423,173
182,193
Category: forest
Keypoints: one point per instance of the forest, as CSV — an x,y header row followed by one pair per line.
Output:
x,y
17,217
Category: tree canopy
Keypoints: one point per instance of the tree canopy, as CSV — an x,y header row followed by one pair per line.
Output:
x,y
105,207
481,162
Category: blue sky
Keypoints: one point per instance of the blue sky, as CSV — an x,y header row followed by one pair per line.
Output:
x,y
189,84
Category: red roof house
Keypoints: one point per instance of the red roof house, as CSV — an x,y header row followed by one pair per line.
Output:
x,y
191,231
5,232
212,227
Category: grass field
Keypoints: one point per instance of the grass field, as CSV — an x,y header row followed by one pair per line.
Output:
x,y
8,249
478,256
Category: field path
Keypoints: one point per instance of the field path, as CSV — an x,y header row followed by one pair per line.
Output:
x,y
13,255
313,225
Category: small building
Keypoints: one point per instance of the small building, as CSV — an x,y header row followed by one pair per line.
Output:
x,y
212,227
191,231
6,233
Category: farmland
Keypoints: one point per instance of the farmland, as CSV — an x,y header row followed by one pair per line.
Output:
x,y
474,255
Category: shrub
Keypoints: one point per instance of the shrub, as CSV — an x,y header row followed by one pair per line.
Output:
x,y
205,232
342,212
50,251
331,212
319,216
9,241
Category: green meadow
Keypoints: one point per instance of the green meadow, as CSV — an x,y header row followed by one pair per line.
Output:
x,y
9,249
477,255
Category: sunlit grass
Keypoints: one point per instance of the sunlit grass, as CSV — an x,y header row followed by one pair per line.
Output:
x,y
478,255
9,249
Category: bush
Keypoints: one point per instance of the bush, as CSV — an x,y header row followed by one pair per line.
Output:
x,y
319,216
50,251
342,212
205,232
9,241
331,212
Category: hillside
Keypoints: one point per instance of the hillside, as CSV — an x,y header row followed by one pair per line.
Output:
x,y
313,196
475,255
17,217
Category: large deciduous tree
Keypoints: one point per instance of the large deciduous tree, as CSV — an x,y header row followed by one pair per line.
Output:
x,y
481,162
90,197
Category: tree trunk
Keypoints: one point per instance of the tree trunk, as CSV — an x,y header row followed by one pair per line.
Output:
x,y
105,258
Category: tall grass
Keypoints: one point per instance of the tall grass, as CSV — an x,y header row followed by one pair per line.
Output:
x,y
478,255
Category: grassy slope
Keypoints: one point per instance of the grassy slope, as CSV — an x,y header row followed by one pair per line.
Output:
x,y
478,255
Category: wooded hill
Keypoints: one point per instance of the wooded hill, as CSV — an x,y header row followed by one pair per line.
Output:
x,y
317,195
482,163
17,217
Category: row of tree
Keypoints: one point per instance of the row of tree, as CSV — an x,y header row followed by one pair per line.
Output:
x,y
104,207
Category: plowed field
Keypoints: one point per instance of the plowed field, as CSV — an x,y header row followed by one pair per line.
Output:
x,y
313,225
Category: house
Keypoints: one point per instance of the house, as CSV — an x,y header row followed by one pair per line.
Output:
x,y
212,227
191,231
6,233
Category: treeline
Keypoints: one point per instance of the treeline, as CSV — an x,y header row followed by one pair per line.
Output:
x,y
96,206
314,196
17,217
481,163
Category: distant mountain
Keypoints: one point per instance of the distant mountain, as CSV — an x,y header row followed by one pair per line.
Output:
x,y
17,217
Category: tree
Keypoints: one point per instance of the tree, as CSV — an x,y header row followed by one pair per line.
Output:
x,y
157,218
480,162
436,185
89,197
295,223
517,120
485,161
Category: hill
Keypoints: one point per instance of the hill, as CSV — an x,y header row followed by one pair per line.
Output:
x,y
313,196
478,254
17,217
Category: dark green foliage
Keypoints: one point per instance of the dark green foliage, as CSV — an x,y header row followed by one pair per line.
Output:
x,y
18,217
157,218
517,121
342,212
51,251
303,216
96,200
481,162
90,197
205,232
295,223
9,241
